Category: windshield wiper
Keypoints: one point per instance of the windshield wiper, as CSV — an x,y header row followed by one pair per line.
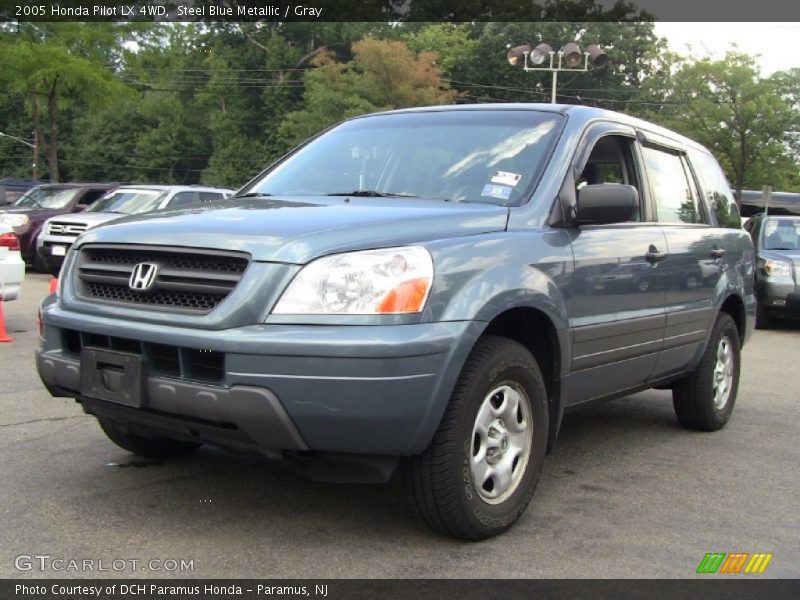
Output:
x,y
372,194
252,195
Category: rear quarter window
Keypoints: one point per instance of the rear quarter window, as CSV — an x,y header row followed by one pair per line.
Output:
x,y
716,190
211,196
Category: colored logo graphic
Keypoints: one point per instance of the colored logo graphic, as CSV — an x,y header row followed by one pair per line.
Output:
x,y
735,562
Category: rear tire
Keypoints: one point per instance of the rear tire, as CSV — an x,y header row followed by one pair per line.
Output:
x,y
704,400
39,266
764,320
481,468
149,447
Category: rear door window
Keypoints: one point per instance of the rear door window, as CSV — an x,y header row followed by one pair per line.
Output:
x,y
182,199
672,187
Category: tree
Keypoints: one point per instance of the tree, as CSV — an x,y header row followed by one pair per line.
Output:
x,y
744,119
50,77
477,66
382,75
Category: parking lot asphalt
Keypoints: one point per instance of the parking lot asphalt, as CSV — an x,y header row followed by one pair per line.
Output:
x,y
625,493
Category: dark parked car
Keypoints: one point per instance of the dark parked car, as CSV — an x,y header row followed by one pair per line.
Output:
x,y
58,233
429,289
777,243
29,212
782,203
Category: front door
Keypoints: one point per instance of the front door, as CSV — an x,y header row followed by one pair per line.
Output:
x,y
619,287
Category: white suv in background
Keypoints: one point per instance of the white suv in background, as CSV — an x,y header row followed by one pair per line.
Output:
x,y
12,267
59,233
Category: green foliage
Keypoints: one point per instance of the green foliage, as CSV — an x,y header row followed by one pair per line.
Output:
x,y
51,79
217,102
744,119
382,75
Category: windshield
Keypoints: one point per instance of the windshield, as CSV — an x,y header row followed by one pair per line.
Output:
x,y
128,202
782,234
47,198
477,156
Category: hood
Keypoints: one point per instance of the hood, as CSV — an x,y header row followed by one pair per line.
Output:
x,y
299,230
88,218
34,214
790,256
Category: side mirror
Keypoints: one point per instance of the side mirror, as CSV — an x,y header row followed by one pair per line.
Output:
x,y
80,207
604,203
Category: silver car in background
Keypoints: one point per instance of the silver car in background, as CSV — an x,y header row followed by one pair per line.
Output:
x,y
59,233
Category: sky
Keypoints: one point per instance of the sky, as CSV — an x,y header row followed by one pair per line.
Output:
x,y
775,42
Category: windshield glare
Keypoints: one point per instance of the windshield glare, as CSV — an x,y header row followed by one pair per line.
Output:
x,y
476,156
128,202
782,234
52,198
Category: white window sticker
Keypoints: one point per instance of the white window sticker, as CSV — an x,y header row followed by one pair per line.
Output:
x,y
506,178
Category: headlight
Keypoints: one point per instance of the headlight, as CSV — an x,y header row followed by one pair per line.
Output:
x,y
14,220
386,281
778,268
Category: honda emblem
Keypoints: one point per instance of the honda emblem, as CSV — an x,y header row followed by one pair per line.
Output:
x,y
143,276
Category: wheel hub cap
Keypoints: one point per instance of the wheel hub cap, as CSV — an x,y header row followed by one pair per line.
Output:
x,y
723,373
501,443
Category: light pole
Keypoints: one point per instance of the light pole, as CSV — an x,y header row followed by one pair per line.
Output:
x,y
34,145
568,58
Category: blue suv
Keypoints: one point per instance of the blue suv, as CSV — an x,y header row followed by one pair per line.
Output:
x,y
427,289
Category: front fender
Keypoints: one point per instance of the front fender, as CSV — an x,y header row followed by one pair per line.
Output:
x,y
480,278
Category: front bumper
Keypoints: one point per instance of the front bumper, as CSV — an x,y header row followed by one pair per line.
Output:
x,y
353,389
48,246
780,296
12,273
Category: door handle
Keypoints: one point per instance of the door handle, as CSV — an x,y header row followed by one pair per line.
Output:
x,y
653,255
717,253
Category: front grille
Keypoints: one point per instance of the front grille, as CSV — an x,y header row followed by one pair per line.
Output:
x,y
193,281
57,228
190,364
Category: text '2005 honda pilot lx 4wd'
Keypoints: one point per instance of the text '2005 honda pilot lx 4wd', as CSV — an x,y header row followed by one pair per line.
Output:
x,y
428,288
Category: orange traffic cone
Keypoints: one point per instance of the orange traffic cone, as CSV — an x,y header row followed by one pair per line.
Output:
x,y
53,285
4,337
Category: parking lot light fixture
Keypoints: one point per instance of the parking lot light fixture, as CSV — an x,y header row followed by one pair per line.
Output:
x,y
597,58
568,58
516,56
572,55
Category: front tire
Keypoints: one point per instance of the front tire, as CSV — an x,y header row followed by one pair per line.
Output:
x,y
481,468
148,447
704,400
763,318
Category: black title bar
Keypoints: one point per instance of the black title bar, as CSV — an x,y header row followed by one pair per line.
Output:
x,y
708,588
398,10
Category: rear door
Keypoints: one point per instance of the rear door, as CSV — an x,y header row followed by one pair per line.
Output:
x,y
695,258
617,303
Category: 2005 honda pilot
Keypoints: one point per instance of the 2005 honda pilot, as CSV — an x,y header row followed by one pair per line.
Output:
x,y
425,288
